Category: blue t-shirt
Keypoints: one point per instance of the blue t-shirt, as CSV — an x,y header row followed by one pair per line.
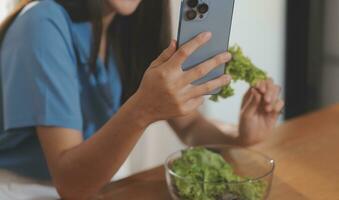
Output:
x,y
46,81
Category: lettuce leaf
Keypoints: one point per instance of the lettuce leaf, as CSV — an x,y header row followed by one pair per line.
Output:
x,y
240,68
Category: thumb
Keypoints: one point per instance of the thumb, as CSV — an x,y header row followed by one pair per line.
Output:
x,y
253,104
246,99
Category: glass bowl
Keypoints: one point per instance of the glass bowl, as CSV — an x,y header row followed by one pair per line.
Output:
x,y
254,168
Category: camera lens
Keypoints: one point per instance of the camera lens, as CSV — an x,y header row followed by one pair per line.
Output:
x,y
192,3
191,15
203,8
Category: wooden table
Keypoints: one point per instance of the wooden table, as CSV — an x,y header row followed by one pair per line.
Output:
x,y
306,150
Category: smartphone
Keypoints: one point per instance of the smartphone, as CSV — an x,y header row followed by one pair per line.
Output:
x,y
197,16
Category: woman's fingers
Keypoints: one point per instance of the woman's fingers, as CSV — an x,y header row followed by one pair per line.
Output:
x,y
206,67
279,106
276,110
247,99
270,91
165,55
193,104
273,99
187,49
253,104
271,96
265,95
209,87
261,86
256,100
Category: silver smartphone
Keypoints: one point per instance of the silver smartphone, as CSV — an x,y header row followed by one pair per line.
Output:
x,y
197,16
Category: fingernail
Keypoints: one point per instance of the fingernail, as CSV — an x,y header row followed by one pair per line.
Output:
x,y
206,35
226,56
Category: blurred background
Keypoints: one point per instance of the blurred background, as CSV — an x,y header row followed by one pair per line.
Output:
x,y
295,42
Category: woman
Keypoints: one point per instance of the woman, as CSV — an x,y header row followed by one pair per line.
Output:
x,y
82,79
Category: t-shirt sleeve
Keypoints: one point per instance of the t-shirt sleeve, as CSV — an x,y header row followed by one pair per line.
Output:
x,y
39,75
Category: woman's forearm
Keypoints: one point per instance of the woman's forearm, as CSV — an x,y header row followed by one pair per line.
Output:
x,y
197,130
84,169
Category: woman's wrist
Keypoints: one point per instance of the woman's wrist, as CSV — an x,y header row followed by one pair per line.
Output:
x,y
231,131
136,112
243,139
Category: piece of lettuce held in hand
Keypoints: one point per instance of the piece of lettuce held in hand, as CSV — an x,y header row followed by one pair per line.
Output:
x,y
204,175
240,68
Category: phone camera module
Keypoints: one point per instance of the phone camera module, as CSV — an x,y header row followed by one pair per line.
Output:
x,y
192,3
191,15
203,8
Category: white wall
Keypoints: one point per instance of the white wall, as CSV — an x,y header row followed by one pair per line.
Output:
x,y
5,7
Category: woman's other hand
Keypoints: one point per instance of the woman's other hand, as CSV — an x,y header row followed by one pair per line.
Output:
x,y
259,113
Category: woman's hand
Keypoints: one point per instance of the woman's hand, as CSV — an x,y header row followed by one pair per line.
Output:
x,y
166,90
259,112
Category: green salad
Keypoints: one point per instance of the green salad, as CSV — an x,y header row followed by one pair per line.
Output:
x,y
240,68
203,175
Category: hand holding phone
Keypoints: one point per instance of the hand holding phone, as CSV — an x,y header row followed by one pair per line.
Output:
x,y
166,91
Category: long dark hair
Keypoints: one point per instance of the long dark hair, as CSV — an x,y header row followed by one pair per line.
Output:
x,y
135,40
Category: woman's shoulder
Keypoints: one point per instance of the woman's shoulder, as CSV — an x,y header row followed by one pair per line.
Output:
x,y
39,28
38,22
44,9
38,16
